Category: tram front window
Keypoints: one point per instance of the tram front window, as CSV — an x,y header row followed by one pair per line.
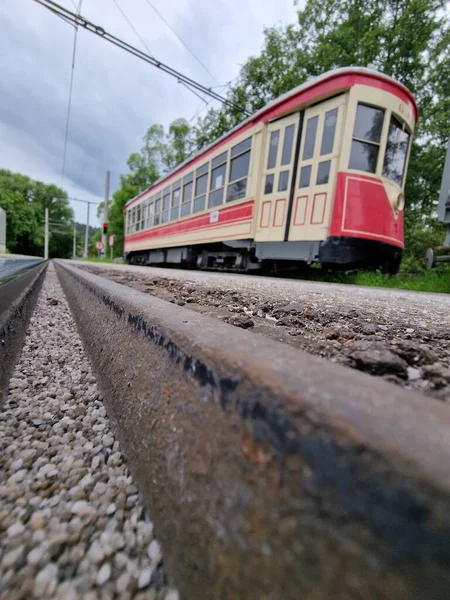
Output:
x,y
366,138
396,151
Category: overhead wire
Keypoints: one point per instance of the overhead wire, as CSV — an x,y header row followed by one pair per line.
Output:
x,y
181,40
69,103
101,32
146,47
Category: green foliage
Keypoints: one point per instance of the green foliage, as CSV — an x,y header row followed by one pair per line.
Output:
x,y
159,154
24,201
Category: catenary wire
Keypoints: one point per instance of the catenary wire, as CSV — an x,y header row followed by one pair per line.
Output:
x,y
181,40
145,45
69,103
98,30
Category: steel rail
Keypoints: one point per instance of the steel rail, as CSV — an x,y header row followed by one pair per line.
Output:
x,y
269,473
18,294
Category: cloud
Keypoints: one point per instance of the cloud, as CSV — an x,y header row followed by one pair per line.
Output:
x,y
116,97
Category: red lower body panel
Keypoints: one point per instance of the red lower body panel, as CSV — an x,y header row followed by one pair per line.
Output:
x,y
362,210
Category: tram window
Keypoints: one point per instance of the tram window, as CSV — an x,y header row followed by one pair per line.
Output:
x,y
287,145
199,204
165,216
283,181
364,157
187,191
166,198
222,158
138,218
201,185
188,178
176,197
329,131
143,214
273,149
241,147
185,209
268,185
310,138
396,152
174,213
239,166
215,198
368,123
366,138
150,214
218,177
237,190
202,170
323,172
305,176
217,180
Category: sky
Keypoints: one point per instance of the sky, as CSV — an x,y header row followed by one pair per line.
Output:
x,y
116,97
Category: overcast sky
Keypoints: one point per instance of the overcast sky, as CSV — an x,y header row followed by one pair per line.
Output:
x,y
115,95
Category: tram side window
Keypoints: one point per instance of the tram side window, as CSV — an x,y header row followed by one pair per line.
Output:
x,y
144,214
188,185
218,172
165,205
156,219
396,152
310,138
366,138
201,187
329,131
176,193
239,168
150,213
138,218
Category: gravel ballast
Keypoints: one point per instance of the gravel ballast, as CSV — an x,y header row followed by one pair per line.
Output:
x,y
71,522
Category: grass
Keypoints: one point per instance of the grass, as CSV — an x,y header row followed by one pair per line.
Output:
x,y
96,259
437,280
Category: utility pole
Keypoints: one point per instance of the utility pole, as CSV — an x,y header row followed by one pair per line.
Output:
x,y
46,235
86,235
74,251
105,215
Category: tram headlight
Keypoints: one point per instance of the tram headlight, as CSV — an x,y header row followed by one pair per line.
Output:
x,y
399,203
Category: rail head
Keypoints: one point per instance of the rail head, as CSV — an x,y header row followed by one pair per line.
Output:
x,y
259,445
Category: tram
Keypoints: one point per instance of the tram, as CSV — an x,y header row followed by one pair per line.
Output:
x,y
316,176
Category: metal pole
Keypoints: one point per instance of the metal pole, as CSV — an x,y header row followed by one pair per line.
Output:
x,y
105,213
86,235
111,250
46,235
74,252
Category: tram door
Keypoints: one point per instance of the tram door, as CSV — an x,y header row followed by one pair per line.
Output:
x,y
278,156
316,171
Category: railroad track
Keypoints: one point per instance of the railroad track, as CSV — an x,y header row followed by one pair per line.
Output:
x,y
269,472
20,281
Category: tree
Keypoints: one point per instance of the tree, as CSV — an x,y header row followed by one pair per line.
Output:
x,y
160,153
24,201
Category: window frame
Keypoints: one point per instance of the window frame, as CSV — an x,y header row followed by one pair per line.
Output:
x,y
403,126
236,152
364,141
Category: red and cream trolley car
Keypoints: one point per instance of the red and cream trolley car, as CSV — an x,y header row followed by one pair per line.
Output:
x,y
316,176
